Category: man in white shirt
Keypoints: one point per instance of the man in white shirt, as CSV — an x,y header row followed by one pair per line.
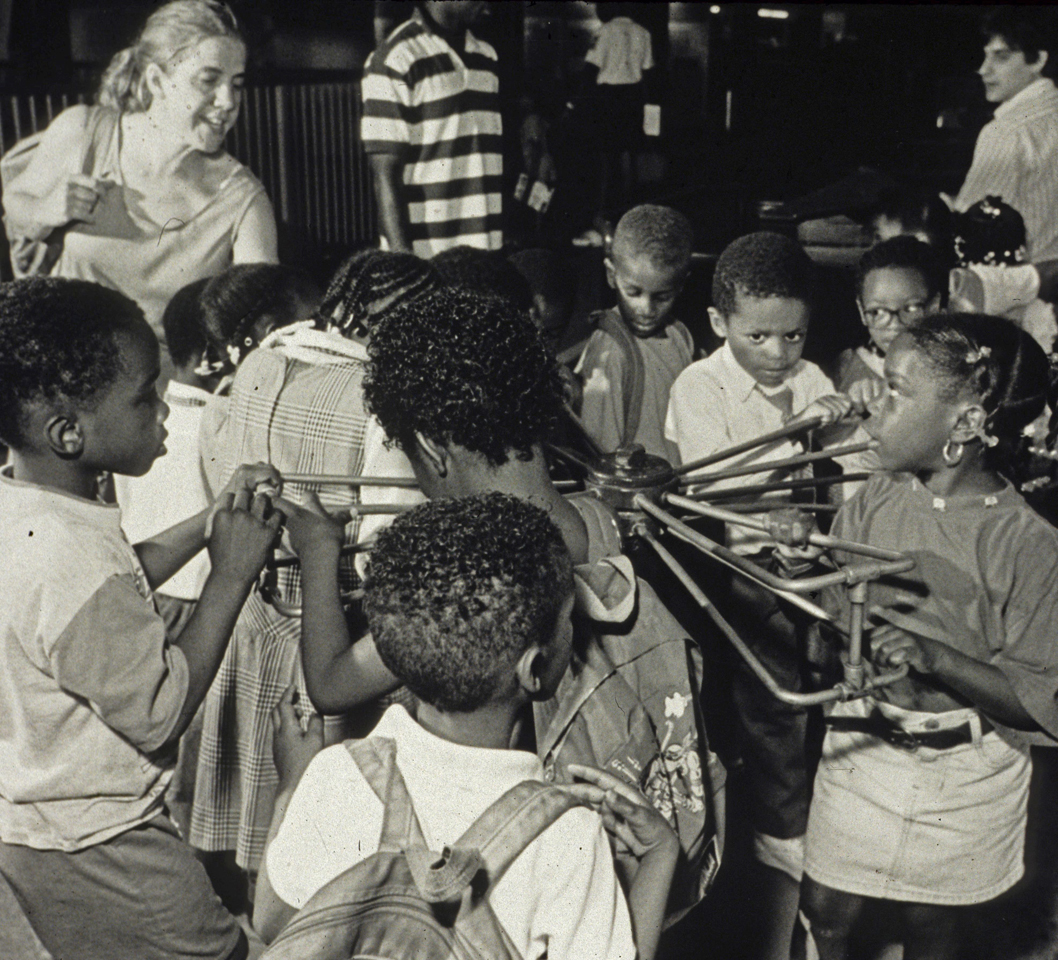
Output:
x,y
1016,153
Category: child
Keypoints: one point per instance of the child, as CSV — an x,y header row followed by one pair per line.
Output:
x,y
241,306
174,487
898,282
921,793
92,693
992,273
553,287
632,360
755,383
465,386
469,603
296,401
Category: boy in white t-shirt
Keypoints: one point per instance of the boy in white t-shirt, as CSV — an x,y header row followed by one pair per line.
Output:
x,y
469,603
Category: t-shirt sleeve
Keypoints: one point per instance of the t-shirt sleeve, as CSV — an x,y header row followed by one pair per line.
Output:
x,y
1028,657
385,94
601,368
114,654
581,912
332,823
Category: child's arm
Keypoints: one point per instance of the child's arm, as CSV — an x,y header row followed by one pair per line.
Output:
x,y
242,538
292,750
629,817
339,673
164,554
983,684
831,409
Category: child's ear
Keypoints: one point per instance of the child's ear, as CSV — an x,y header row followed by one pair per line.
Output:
x,y
718,322
969,423
64,436
610,278
432,454
530,669
859,307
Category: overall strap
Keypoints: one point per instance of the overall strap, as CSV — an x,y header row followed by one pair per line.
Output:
x,y
377,759
514,821
635,380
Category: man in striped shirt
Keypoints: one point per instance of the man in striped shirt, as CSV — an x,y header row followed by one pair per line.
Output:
x,y
432,131
1016,156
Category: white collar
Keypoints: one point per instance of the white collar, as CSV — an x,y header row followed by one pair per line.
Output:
x,y
1024,100
418,748
302,341
741,381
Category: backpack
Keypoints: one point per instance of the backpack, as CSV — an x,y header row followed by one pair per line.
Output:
x,y
405,901
29,257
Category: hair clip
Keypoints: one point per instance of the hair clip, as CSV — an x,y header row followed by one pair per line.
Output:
x,y
988,439
233,354
974,357
986,207
209,368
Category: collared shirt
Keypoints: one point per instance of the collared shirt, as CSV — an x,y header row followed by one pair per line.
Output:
x,y
173,489
622,52
715,404
90,690
1015,158
560,897
439,108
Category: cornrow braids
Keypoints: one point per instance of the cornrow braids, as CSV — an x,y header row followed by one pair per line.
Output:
x,y
997,362
370,283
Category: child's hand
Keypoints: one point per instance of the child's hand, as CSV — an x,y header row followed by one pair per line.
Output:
x,y
626,813
310,525
829,409
243,535
891,647
866,395
293,747
253,477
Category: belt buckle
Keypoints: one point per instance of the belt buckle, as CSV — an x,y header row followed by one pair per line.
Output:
x,y
904,739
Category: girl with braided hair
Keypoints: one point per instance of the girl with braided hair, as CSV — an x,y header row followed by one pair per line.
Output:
x,y
921,794
297,401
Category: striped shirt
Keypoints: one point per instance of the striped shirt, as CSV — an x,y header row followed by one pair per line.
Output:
x,y
440,109
1016,158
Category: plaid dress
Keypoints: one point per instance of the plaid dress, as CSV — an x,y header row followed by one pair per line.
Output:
x,y
297,403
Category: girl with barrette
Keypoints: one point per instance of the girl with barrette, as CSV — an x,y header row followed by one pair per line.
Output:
x,y
922,791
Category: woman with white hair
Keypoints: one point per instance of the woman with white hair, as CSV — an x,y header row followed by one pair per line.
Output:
x,y
138,189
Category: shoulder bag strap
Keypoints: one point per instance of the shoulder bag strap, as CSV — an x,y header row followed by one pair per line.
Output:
x,y
377,759
514,821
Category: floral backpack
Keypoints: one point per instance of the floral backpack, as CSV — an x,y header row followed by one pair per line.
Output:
x,y
405,901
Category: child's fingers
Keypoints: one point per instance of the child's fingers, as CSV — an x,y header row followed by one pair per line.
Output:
x,y
284,712
241,499
590,794
607,781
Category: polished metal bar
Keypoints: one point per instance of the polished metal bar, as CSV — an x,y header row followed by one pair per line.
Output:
x,y
782,433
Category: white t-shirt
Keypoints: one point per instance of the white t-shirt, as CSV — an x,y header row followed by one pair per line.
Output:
x,y
560,897
173,489
621,53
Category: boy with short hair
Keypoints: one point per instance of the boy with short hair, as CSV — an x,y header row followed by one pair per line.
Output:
x,y
92,695
633,358
754,384
468,601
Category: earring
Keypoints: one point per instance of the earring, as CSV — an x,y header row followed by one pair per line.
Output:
x,y
952,453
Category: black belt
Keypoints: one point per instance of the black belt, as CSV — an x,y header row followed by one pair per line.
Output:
x,y
877,725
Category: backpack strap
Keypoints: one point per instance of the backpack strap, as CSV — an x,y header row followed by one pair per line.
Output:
x,y
514,821
635,372
377,759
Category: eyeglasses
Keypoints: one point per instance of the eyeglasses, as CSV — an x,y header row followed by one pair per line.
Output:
x,y
902,316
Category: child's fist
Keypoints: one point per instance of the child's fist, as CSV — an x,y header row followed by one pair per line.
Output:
x,y
252,477
828,409
308,525
866,395
293,746
244,533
